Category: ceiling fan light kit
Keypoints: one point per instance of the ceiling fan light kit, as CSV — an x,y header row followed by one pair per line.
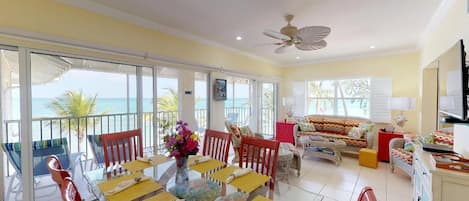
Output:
x,y
306,38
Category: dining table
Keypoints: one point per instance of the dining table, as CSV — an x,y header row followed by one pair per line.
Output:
x,y
204,184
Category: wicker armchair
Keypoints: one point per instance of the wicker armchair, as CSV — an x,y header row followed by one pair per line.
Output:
x,y
399,157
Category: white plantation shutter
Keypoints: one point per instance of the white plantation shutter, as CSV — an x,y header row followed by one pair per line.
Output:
x,y
380,95
300,98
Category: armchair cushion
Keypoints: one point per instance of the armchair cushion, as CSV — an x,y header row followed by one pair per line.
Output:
x,y
246,131
403,155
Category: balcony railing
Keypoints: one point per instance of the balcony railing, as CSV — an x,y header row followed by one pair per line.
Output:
x,y
76,128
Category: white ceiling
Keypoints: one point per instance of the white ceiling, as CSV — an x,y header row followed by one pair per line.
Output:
x,y
389,25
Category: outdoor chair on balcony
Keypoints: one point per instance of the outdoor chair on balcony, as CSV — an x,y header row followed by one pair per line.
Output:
x,y
97,149
41,152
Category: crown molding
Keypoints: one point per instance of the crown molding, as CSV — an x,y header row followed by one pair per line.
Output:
x,y
355,56
436,19
118,14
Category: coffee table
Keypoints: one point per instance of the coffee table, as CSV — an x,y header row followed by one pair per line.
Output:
x,y
329,149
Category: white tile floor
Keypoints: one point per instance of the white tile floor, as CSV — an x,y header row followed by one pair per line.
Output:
x,y
344,182
341,183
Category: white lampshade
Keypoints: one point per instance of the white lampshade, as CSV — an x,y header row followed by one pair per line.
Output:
x,y
288,101
402,103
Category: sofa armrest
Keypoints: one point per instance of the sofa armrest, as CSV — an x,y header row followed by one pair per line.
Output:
x,y
295,134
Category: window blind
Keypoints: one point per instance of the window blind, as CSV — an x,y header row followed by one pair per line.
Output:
x,y
380,95
300,98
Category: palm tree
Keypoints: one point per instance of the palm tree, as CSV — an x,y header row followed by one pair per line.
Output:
x,y
168,102
77,106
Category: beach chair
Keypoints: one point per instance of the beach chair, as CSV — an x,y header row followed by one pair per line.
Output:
x,y
97,149
41,151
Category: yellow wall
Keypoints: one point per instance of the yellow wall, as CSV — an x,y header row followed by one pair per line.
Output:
x,y
68,22
453,26
402,68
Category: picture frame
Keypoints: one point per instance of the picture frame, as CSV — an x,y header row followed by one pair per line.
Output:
x,y
219,90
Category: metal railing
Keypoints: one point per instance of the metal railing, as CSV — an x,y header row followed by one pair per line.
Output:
x,y
76,128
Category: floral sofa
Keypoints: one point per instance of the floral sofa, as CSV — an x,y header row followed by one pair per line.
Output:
x,y
333,127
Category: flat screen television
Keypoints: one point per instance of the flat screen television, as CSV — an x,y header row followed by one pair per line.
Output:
x,y
453,83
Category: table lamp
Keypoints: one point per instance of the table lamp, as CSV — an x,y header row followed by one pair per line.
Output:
x,y
288,102
402,104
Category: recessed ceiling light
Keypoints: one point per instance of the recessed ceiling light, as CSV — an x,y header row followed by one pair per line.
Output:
x,y
239,38
372,47
297,57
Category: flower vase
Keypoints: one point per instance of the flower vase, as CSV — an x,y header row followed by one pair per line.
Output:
x,y
182,172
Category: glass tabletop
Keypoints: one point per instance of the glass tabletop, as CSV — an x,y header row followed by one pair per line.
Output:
x,y
200,187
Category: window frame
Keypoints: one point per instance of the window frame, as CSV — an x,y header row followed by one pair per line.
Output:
x,y
337,97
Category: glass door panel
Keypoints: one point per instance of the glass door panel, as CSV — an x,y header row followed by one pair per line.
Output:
x,y
238,103
201,101
10,119
167,101
74,99
147,109
267,108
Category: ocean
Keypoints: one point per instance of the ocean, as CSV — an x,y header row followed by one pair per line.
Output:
x,y
40,106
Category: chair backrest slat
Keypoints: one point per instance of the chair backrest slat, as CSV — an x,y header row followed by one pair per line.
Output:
x,y
217,145
122,146
260,153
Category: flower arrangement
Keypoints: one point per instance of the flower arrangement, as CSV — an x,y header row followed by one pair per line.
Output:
x,y
182,143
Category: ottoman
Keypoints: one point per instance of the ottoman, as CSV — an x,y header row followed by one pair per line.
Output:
x,y
368,158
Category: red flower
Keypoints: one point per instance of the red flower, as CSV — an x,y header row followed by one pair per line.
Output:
x,y
191,145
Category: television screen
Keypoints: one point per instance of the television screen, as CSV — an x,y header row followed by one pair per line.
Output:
x,y
452,82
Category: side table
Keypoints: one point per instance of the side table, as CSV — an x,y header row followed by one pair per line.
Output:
x,y
383,144
284,132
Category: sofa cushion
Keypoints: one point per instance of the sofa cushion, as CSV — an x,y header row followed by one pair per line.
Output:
x,y
350,123
362,143
328,124
402,154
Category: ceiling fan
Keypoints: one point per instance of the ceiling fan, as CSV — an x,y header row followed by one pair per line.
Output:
x,y
306,38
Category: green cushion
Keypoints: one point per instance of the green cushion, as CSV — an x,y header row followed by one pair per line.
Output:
x,y
306,127
246,131
409,146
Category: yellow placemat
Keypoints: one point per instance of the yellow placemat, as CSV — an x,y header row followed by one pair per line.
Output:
x,y
204,166
261,198
131,193
163,196
246,183
136,165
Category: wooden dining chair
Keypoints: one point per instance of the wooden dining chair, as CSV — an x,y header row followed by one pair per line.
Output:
x,y
57,173
69,190
122,147
260,155
367,194
217,145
